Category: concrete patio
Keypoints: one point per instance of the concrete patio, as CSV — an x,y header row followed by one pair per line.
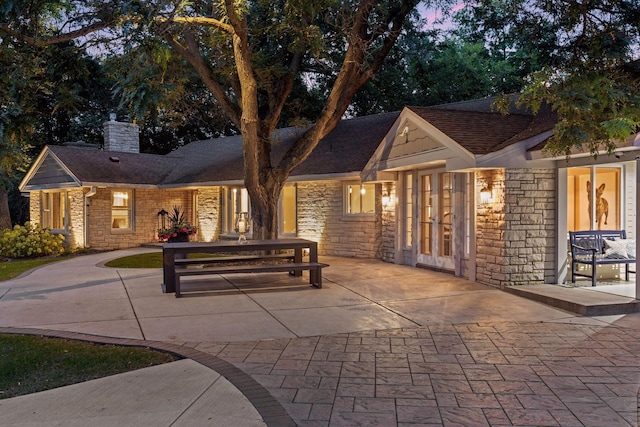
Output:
x,y
379,344
358,295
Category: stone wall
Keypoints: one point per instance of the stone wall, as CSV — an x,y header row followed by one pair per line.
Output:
x,y
516,231
35,207
74,237
147,204
75,199
208,214
321,218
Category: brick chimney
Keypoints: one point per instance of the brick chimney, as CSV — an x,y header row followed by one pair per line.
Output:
x,y
119,136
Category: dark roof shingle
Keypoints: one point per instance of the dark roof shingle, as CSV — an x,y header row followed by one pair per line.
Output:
x,y
476,126
98,166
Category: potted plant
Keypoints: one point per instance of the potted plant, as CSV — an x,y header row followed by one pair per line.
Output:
x,y
179,228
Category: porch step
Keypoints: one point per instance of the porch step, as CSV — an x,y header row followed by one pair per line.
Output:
x,y
586,302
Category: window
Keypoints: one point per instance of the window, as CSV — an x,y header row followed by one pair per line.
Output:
x,y
361,198
234,201
288,216
54,210
121,209
605,213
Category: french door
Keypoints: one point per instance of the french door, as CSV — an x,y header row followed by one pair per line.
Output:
x,y
436,220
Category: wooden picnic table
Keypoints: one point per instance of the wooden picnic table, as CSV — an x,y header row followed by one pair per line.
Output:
x,y
176,254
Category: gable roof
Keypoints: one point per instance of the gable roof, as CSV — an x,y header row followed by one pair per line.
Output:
x,y
99,166
460,136
477,127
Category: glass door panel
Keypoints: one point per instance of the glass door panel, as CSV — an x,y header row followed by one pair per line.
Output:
x,y
426,218
445,215
436,206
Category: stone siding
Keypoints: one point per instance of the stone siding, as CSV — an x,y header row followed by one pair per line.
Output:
x,y
124,137
516,232
74,237
321,218
35,207
147,204
75,198
208,214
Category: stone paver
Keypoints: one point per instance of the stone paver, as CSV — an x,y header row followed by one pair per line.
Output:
x,y
508,373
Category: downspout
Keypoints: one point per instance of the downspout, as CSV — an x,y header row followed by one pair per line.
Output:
x,y
87,215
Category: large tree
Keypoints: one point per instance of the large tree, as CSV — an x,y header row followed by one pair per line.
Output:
x,y
250,55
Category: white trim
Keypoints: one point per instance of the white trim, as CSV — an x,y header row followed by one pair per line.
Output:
x,y
130,209
516,156
87,215
473,225
637,290
621,146
562,258
292,179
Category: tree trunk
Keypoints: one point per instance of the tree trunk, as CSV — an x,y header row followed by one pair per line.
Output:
x,y
5,215
265,194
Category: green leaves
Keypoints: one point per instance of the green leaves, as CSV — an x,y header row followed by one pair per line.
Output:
x,y
597,110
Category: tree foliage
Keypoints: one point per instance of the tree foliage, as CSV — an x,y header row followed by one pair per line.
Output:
x,y
586,53
250,56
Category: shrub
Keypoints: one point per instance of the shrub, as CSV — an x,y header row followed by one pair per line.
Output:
x,y
30,241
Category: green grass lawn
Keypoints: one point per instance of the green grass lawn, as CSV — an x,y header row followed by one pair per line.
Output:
x,y
30,363
149,260
14,268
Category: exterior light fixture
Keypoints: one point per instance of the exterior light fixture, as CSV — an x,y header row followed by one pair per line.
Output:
x,y
486,195
386,195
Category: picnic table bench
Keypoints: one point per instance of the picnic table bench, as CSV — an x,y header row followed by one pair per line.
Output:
x,y
175,260
596,247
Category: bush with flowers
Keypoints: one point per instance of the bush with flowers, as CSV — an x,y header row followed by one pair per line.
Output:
x,y
178,224
30,241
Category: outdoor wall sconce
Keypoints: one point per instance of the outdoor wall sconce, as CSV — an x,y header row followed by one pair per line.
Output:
x,y
386,195
386,200
486,195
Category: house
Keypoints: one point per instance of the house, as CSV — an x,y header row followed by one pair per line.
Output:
x,y
456,187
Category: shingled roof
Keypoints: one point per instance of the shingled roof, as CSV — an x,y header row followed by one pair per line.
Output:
x,y
477,127
90,165
344,152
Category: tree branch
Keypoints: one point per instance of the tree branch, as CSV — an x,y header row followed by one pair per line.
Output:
x,y
192,54
48,41
199,20
281,93
353,75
